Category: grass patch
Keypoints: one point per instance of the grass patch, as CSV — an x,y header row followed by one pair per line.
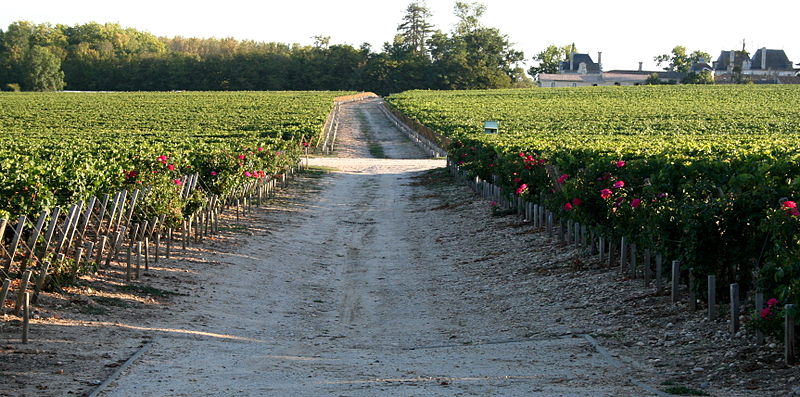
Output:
x,y
317,170
147,290
375,148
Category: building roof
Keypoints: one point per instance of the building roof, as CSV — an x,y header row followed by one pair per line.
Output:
x,y
700,66
776,60
591,66
568,77
619,76
622,77
725,57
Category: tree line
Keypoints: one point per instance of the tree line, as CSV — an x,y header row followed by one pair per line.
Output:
x,y
94,56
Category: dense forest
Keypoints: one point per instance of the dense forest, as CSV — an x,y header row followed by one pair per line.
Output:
x,y
94,56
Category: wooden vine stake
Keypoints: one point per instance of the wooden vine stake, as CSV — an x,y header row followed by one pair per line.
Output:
x,y
4,295
790,340
23,287
138,258
676,273
146,254
659,272
40,281
734,309
169,243
129,259
26,315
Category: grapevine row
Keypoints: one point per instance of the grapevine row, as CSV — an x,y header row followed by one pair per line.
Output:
x,y
707,175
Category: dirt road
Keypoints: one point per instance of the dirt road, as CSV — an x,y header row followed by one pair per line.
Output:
x,y
362,290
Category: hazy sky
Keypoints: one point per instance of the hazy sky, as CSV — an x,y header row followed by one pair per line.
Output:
x,y
626,31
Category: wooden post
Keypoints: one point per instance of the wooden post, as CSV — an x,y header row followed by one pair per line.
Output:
x,y
646,271
73,227
184,236
602,244
26,315
133,236
138,258
734,309
676,275
712,297
65,230
88,217
692,295
132,206
216,222
4,295
142,231
14,243
37,230
549,225
169,243
146,254
101,246
759,307
568,237
88,249
790,341
23,286
101,214
623,255
659,273
3,223
51,230
632,260
116,239
40,281
128,261
158,246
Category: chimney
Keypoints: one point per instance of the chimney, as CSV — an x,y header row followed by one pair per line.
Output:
x,y
763,58
732,54
640,66
600,60
571,62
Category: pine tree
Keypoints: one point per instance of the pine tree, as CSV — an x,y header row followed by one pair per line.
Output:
x,y
415,28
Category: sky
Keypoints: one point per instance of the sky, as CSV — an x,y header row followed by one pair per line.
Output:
x,y
626,31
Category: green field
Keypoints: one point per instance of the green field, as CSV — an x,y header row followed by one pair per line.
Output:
x,y
58,148
704,174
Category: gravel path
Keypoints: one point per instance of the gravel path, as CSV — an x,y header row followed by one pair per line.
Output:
x,y
351,293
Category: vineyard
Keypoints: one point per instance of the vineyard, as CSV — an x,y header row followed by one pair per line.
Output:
x,y
85,176
705,175
59,148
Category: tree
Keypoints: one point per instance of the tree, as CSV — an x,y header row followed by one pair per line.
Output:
x,y
550,59
415,29
469,15
701,77
678,61
474,56
43,70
